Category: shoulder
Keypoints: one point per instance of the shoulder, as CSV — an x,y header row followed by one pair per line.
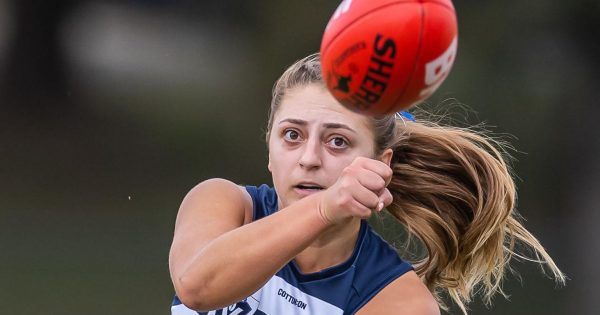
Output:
x,y
405,295
219,187
219,194
217,183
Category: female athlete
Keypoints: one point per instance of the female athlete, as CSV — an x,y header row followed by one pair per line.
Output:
x,y
304,246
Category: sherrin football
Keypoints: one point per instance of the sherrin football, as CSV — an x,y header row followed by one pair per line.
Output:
x,y
383,56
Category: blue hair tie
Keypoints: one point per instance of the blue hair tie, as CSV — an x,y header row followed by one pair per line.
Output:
x,y
405,114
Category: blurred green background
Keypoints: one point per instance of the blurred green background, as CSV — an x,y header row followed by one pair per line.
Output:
x,y
110,111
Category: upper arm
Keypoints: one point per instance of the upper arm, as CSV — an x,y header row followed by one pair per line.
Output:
x,y
210,209
407,295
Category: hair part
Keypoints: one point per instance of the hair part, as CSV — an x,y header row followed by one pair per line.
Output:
x,y
302,73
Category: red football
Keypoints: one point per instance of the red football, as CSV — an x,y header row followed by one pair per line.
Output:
x,y
383,56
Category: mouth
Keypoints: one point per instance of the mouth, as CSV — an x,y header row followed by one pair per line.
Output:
x,y
308,188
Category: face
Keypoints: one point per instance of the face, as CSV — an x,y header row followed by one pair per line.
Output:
x,y
312,140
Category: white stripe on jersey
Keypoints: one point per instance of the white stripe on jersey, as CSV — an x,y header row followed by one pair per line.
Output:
x,y
280,297
180,309
276,297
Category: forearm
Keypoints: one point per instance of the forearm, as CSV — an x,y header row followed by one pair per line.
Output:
x,y
237,263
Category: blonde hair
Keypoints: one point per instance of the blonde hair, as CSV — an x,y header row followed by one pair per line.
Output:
x,y
453,191
303,72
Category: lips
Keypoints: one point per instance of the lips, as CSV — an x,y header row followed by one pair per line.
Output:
x,y
309,186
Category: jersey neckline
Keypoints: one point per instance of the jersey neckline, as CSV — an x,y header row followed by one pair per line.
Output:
x,y
333,270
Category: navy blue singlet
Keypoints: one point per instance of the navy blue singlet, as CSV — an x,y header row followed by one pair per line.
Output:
x,y
341,289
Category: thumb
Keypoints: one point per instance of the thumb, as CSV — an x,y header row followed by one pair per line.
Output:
x,y
385,199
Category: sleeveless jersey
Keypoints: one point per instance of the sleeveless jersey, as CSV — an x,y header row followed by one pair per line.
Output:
x,y
341,289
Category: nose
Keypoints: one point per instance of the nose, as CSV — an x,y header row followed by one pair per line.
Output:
x,y
311,154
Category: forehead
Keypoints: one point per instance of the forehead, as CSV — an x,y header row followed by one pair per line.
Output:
x,y
315,104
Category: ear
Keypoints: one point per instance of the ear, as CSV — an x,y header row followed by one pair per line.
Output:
x,y
386,156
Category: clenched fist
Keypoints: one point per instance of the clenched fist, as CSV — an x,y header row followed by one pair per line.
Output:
x,y
360,190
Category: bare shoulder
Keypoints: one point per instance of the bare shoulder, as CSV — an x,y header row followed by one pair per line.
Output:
x,y
218,196
210,209
406,295
218,187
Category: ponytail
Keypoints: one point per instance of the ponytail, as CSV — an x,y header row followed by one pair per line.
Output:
x,y
453,190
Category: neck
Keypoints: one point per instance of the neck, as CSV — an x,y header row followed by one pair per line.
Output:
x,y
332,248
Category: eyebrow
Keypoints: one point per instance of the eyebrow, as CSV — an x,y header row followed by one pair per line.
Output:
x,y
326,125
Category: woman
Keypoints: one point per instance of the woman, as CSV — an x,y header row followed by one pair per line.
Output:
x,y
303,246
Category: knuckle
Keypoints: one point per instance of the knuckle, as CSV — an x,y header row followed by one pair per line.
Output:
x,y
344,200
346,183
389,172
380,183
348,170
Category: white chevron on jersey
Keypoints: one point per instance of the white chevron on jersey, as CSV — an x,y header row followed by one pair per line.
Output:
x,y
276,297
180,309
280,297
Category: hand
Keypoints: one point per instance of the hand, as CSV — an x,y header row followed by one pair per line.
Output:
x,y
360,190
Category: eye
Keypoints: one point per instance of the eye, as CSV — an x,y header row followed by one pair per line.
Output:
x,y
338,143
291,135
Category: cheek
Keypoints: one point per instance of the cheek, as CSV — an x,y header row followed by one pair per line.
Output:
x,y
272,153
278,161
337,164
269,164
